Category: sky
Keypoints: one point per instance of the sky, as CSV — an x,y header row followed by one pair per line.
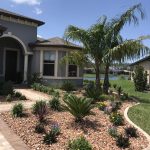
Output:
x,y
58,14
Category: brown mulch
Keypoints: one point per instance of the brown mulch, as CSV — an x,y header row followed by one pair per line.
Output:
x,y
94,128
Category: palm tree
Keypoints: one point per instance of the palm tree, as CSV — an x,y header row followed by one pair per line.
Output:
x,y
101,42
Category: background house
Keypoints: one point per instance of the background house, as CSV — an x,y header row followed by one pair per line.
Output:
x,y
22,53
145,63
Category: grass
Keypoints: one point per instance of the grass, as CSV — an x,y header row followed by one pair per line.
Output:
x,y
140,115
128,86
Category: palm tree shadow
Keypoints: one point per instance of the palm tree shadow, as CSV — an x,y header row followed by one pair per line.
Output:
x,y
86,124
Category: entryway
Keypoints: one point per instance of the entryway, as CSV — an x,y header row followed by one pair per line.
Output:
x,y
11,65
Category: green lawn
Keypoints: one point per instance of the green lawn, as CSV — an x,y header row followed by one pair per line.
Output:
x,y
128,86
139,114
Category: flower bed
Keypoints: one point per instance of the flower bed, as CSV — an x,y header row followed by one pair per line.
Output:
x,y
93,128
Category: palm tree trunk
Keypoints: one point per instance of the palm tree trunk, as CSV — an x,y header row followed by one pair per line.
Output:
x,y
97,70
106,80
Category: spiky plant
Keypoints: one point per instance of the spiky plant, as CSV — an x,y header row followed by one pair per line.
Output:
x,y
78,107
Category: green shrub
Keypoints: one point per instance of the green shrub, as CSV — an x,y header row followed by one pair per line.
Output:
x,y
17,94
115,105
119,90
51,136
56,94
9,98
78,107
131,132
102,106
40,110
92,92
67,86
114,86
122,141
7,88
34,78
104,97
121,77
55,104
124,97
22,97
39,128
113,131
140,79
116,119
79,144
17,110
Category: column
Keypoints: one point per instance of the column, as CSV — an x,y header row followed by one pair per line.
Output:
x,y
25,66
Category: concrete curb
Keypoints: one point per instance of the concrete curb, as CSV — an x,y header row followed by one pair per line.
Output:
x,y
137,127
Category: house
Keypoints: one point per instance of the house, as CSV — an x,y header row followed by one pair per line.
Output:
x,y
22,53
145,63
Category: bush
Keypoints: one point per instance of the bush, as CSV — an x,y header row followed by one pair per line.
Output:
x,y
39,128
78,107
7,88
104,97
92,92
22,97
17,110
34,78
114,86
40,110
102,106
56,94
79,144
55,104
115,106
122,141
131,132
113,131
119,90
124,97
17,94
116,119
122,77
51,137
140,78
67,86
9,98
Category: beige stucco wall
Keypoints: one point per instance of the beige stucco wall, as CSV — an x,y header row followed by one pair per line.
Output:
x,y
146,66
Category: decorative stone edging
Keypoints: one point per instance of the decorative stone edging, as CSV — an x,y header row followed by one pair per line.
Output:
x,y
137,127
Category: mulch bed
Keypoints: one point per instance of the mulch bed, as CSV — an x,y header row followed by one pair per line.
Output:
x,y
94,128
3,100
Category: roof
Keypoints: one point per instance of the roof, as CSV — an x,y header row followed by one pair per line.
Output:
x,y
9,13
54,42
141,60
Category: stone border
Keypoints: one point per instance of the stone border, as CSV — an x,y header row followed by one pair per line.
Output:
x,y
11,137
137,127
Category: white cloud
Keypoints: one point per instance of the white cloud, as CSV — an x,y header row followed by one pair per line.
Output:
x,y
38,11
29,2
39,36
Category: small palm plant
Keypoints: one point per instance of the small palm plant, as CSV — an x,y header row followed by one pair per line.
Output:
x,y
78,107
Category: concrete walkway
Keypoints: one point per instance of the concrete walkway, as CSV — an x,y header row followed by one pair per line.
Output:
x,y
32,96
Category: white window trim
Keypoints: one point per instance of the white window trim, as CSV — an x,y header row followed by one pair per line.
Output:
x,y
56,67
4,59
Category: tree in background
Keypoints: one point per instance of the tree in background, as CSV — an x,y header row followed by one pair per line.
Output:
x,y
140,78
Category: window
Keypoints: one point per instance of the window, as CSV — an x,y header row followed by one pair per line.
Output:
x,y
49,63
72,70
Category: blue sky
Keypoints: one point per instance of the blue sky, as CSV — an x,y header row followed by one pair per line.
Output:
x,y
58,14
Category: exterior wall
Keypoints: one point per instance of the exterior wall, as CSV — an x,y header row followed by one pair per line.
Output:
x,y
26,33
61,70
1,61
59,82
146,66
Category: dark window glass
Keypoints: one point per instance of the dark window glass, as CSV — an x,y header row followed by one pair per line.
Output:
x,y
48,70
72,71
